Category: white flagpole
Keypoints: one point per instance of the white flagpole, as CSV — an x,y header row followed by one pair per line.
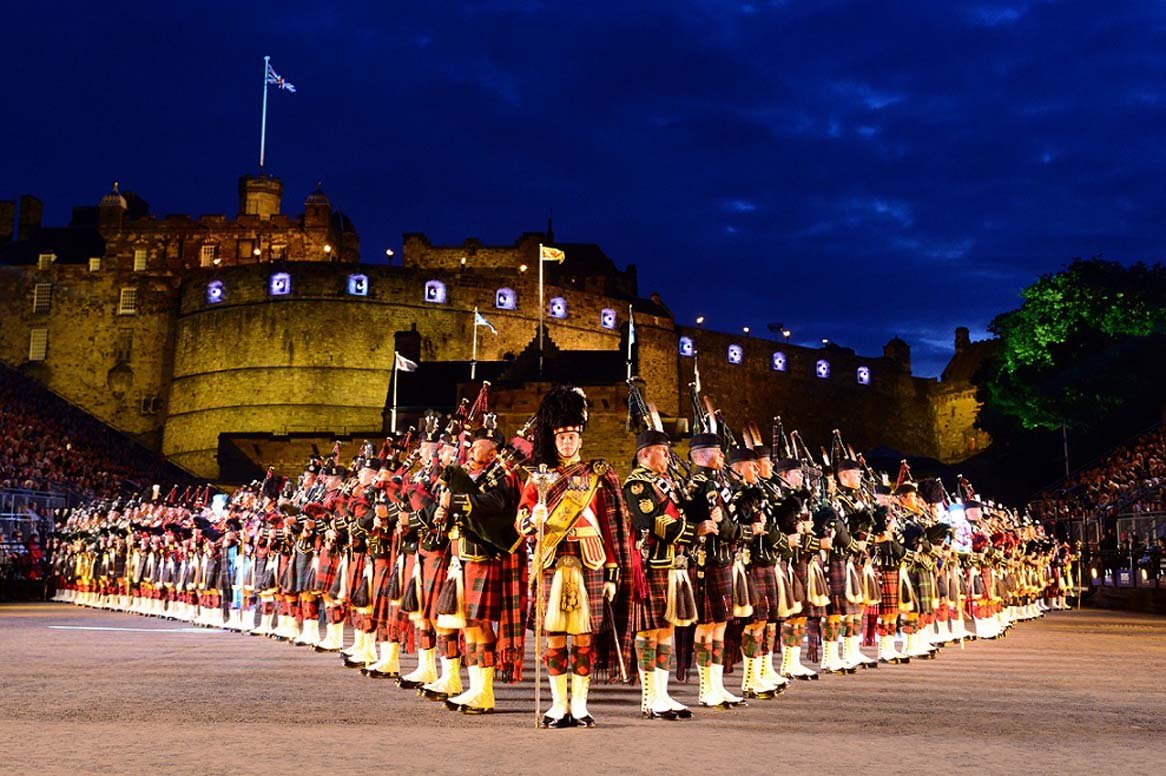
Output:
x,y
393,412
474,357
540,309
631,331
263,121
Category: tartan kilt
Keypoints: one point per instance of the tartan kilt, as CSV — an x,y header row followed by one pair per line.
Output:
x,y
592,579
305,575
763,585
381,606
328,570
921,582
836,576
434,570
649,613
286,574
482,585
802,574
714,594
358,594
889,606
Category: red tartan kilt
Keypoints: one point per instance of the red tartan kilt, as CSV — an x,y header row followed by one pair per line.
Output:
x,y
593,581
649,613
357,588
889,606
714,594
381,569
328,569
482,585
763,586
433,574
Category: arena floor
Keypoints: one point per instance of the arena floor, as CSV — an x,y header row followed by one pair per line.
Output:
x,y
87,692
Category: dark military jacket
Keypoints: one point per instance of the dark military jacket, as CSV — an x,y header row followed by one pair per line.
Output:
x,y
655,511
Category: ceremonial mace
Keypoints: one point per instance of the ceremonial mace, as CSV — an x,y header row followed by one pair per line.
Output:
x,y
542,482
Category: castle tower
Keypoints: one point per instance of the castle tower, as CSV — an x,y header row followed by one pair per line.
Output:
x,y
317,210
260,195
898,352
110,211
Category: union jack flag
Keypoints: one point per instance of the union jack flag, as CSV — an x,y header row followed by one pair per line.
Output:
x,y
275,79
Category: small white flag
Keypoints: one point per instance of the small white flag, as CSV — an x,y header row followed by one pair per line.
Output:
x,y
405,365
547,253
479,320
631,328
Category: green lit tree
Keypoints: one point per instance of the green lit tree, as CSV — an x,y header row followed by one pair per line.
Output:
x,y
1086,342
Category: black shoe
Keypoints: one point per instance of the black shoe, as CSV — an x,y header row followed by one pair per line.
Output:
x,y
408,684
683,713
669,715
454,706
763,695
566,721
587,721
433,695
476,710
349,663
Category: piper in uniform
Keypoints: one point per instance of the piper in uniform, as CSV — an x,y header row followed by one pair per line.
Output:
x,y
758,557
667,600
717,533
486,580
584,552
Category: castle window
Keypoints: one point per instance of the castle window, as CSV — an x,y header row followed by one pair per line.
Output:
x,y
278,252
505,299
863,375
435,292
140,259
42,294
45,260
280,284
206,255
822,369
38,344
735,354
127,302
607,318
358,285
779,362
686,347
244,248
123,347
94,264
558,308
150,405
214,292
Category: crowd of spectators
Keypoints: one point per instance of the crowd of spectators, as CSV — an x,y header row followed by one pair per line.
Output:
x,y
48,444
23,566
1131,478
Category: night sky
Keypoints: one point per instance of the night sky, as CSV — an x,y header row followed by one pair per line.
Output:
x,y
855,171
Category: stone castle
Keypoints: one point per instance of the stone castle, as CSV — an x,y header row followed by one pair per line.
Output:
x,y
229,342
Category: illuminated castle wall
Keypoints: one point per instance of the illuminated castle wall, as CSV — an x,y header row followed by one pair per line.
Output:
x,y
265,323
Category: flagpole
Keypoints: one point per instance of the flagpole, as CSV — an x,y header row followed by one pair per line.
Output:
x,y
631,333
393,412
540,309
474,357
263,121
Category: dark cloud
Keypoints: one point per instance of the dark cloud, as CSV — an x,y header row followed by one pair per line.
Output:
x,y
853,170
